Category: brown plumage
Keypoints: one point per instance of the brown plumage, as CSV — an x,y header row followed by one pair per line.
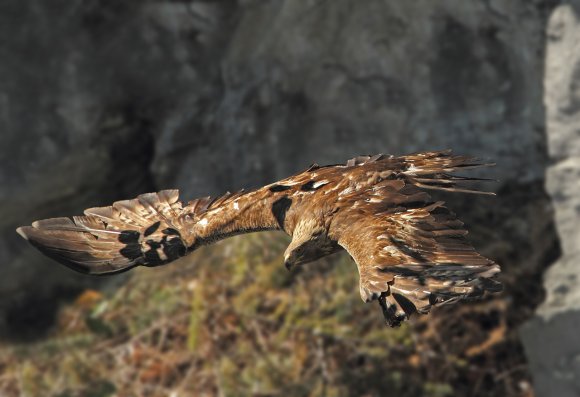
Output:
x,y
410,250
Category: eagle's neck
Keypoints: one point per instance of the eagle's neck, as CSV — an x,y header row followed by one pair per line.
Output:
x,y
249,212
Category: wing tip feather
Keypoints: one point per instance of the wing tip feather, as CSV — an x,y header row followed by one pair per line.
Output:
x,y
22,232
107,240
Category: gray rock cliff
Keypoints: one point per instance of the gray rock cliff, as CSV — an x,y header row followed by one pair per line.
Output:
x,y
551,337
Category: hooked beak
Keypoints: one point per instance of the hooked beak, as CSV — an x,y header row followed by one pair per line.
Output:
x,y
288,265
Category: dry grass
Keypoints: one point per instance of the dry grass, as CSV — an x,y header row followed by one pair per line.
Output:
x,y
229,321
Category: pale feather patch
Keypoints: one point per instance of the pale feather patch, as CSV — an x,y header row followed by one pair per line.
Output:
x,y
286,183
346,191
391,249
320,183
412,169
374,200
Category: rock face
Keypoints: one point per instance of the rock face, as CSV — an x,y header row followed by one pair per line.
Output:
x,y
104,100
551,337
90,96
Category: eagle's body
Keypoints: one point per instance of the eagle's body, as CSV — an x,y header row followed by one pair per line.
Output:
x,y
411,251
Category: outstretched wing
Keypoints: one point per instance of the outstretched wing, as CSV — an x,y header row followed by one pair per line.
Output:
x,y
411,251
150,230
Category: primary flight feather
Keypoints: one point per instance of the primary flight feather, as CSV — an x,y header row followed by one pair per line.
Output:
x,y
411,251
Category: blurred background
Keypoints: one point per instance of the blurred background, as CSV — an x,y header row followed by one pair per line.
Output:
x,y
101,100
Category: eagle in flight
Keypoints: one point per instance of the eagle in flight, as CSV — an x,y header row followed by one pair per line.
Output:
x,y
410,250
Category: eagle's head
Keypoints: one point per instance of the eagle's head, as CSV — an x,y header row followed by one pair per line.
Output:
x,y
309,242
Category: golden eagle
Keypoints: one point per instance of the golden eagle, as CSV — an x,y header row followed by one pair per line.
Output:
x,y
410,250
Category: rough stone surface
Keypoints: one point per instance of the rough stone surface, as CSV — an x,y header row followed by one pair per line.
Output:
x,y
84,90
103,100
551,337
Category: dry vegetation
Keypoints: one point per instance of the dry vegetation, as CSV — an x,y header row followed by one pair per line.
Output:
x,y
231,321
